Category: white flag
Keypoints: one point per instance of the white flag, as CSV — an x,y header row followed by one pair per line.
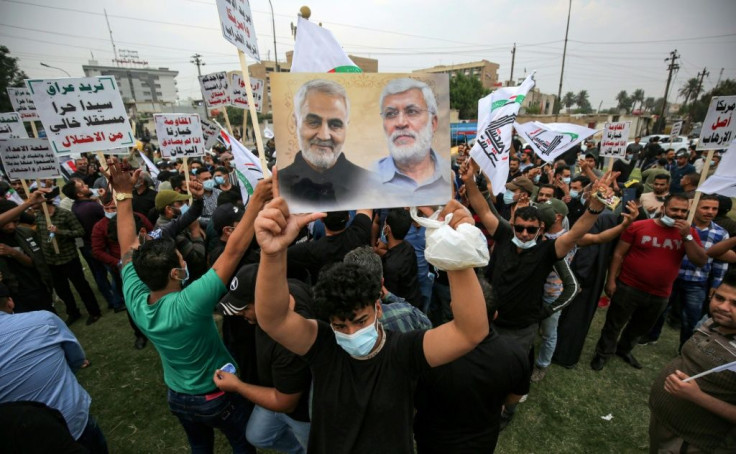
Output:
x,y
152,169
317,51
549,140
247,166
723,181
497,114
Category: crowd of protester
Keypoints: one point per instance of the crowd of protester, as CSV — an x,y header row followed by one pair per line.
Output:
x,y
341,336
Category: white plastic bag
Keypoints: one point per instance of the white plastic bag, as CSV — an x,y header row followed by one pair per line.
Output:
x,y
452,249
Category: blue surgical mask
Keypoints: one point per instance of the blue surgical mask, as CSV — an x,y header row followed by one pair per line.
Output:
x,y
384,240
574,194
209,185
110,215
525,244
667,221
566,180
186,274
361,342
219,180
183,209
508,197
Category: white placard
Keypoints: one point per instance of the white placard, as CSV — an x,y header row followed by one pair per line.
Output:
x,y
719,129
29,159
210,132
179,135
238,96
237,26
11,126
215,89
82,114
22,103
723,180
676,128
615,137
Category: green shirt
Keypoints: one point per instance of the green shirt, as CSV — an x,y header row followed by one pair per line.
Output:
x,y
181,327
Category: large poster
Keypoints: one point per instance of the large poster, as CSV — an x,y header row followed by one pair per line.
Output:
x,y
352,141
29,159
237,26
718,128
179,135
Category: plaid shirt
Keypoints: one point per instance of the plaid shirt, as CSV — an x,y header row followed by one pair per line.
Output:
x,y
67,229
714,270
400,316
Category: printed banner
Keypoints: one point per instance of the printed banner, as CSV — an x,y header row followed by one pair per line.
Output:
x,y
11,126
179,135
238,95
82,114
718,128
615,138
550,140
22,103
215,89
723,180
317,51
497,113
29,159
210,132
237,26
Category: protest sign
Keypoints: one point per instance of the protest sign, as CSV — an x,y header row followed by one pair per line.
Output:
x,y
215,89
29,159
179,135
497,113
82,114
317,51
237,26
22,103
723,181
238,95
210,132
718,128
676,128
615,138
550,140
11,126
365,148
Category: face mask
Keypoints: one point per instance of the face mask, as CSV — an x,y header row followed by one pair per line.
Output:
x,y
361,342
667,221
384,240
186,274
508,197
184,208
219,180
110,215
536,178
629,156
566,180
574,194
209,185
525,245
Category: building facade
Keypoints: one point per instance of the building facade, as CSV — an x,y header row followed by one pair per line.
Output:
x,y
483,70
146,89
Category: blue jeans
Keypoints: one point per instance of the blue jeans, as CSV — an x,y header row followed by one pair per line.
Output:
x,y
549,340
200,415
692,299
271,430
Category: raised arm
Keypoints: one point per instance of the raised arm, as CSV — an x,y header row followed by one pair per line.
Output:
x,y
614,232
275,229
476,199
469,327
123,182
36,198
570,287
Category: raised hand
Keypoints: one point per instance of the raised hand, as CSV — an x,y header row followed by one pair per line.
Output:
x,y
120,180
196,189
631,215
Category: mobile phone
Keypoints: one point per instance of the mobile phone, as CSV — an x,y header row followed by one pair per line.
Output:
x,y
228,368
629,195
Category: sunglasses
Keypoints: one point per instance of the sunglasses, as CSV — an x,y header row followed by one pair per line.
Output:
x,y
521,228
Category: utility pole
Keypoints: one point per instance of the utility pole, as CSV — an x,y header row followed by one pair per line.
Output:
x,y
197,60
719,77
562,71
702,76
114,49
513,58
673,66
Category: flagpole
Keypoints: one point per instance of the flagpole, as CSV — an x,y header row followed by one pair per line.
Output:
x,y
44,207
703,176
708,372
253,113
185,164
227,120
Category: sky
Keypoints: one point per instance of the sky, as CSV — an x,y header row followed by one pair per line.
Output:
x,y
612,46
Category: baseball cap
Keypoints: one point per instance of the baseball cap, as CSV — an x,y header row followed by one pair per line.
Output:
x,y
521,182
681,154
225,215
242,291
167,197
549,209
558,206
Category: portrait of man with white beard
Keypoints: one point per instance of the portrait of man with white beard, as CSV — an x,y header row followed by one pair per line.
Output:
x,y
413,170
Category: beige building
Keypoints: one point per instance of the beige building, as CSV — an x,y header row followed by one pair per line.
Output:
x,y
535,99
483,70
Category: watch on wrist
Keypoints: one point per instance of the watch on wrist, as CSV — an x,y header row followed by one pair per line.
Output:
x,y
120,196
688,237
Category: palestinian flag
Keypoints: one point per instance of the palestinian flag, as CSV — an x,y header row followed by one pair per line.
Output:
x,y
317,51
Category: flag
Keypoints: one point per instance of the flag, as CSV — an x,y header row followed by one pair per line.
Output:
x,y
723,180
152,169
497,114
14,197
247,165
68,167
728,366
549,140
317,51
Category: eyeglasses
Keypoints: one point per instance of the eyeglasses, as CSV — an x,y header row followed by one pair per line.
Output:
x,y
410,112
530,229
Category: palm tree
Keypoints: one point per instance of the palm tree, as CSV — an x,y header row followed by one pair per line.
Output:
x,y
624,102
637,97
649,104
690,90
581,99
568,100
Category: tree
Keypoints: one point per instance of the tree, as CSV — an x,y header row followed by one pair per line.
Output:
x,y
624,101
568,100
582,101
10,76
690,90
464,95
649,104
700,106
637,97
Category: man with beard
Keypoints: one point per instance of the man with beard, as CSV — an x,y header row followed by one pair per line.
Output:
x,y
653,201
644,266
320,176
413,169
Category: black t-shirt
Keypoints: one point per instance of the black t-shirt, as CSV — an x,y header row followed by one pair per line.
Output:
x,y
400,275
364,406
314,255
518,278
575,209
281,369
459,404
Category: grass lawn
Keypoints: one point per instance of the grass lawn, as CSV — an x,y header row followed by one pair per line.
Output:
x,y
562,414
